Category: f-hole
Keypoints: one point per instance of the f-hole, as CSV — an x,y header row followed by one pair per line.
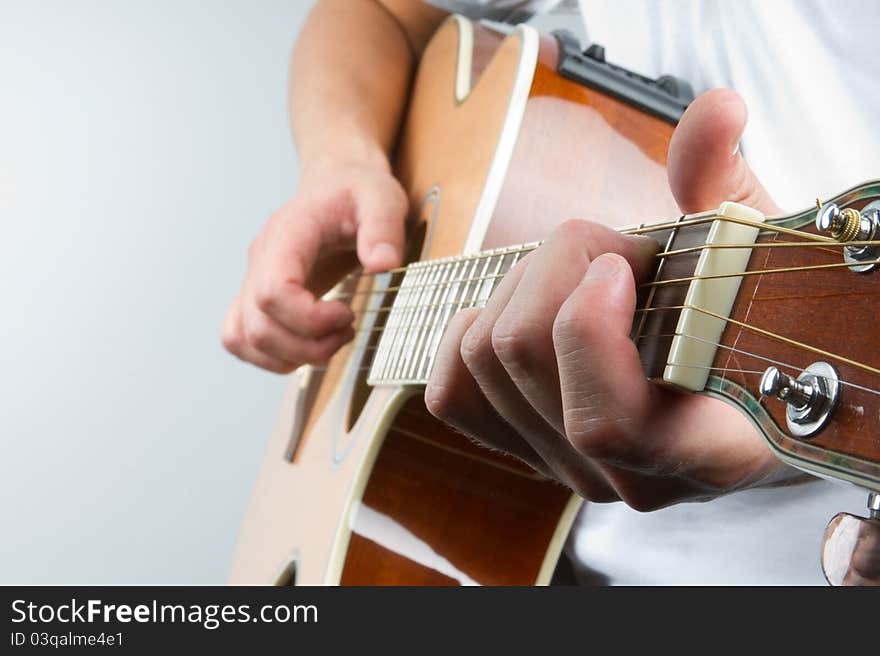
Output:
x,y
361,390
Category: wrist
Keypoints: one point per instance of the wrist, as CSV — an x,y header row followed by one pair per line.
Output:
x,y
342,151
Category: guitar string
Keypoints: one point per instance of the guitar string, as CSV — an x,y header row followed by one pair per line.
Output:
x,y
687,366
767,333
661,255
823,241
785,365
727,370
768,244
757,272
657,283
734,349
821,245
760,331
628,231
699,220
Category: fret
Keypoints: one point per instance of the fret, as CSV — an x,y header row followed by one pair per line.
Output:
x,y
382,282
439,302
653,351
380,359
503,260
475,295
396,334
408,311
422,320
442,327
657,276
465,268
419,284
488,286
430,293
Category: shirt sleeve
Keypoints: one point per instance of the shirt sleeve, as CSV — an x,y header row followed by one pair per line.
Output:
x,y
503,11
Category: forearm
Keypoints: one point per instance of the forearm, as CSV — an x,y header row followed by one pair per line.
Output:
x,y
350,73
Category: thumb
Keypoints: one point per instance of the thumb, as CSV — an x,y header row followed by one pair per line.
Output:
x,y
381,211
705,167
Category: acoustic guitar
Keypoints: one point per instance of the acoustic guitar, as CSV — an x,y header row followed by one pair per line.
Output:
x,y
505,137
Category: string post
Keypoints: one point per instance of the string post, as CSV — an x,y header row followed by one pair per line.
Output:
x,y
843,224
850,225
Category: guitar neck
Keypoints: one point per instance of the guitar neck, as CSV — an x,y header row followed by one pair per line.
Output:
x,y
427,296
429,293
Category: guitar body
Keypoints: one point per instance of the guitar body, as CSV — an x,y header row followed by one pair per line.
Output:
x,y
359,484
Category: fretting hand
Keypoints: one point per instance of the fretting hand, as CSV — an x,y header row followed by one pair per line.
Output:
x,y
547,371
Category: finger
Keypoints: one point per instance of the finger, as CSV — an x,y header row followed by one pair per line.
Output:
x,y
607,400
282,260
293,306
381,214
479,357
267,336
453,396
522,336
705,166
604,391
649,492
232,336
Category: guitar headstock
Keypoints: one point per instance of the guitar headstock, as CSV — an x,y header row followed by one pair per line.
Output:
x,y
799,352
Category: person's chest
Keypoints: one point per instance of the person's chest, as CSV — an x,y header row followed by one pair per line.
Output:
x,y
804,68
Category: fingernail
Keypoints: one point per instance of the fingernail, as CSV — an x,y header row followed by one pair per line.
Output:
x,y
603,267
383,254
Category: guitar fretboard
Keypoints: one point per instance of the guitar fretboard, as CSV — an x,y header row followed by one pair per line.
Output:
x,y
427,298
428,294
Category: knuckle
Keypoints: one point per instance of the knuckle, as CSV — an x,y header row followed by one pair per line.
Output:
x,y
258,334
266,296
514,343
231,340
592,434
570,324
642,502
398,197
587,488
572,230
475,346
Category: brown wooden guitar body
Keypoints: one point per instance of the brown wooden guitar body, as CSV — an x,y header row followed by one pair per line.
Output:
x,y
497,149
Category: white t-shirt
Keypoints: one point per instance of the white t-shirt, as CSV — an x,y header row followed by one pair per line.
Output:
x,y
808,73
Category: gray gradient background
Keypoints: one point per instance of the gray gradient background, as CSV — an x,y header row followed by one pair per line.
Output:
x,y
142,145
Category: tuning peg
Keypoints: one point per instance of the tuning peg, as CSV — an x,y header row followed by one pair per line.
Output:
x,y
842,224
785,388
810,398
851,547
849,225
